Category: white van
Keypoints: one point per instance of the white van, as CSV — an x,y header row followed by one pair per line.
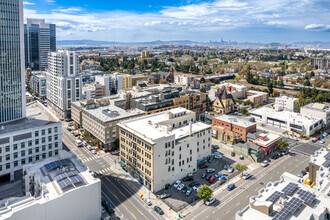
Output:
x,y
78,143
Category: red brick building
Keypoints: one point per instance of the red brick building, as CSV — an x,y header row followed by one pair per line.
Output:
x,y
268,142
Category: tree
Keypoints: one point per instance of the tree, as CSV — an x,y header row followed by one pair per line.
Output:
x,y
244,111
281,84
307,83
204,192
283,144
240,167
202,80
270,88
203,90
162,81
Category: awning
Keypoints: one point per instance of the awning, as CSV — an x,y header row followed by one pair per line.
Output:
x,y
122,163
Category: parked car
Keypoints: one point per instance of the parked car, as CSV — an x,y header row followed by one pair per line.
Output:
x,y
264,163
94,152
184,189
164,196
325,134
167,186
114,152
318,138
241,157
177,183
203,175
284,152
209,201
302,174
180,187
208,176
196,187
158,210
217,155
108,207
232,154
230,169
226,167
218,175
188,178
222,177
147,201
203,166
215,146
246,176
274,156
192,184
322,141
211,159
211,180
210,170
321,136
231,187
189,191
223,142
79,143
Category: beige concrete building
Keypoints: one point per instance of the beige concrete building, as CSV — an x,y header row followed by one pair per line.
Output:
x,y
127,82
98,88
100,119
145,54
163,147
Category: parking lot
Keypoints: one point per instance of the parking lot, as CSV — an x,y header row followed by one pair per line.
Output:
x,y
178,199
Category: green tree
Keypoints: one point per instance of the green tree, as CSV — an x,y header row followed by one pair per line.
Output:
x,y
307,83
240,167
281,84
202,80
270,88
283,144
203,90
244,111
204,192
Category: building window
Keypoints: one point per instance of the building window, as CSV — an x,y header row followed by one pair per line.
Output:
x,y
15,155
56,152
15,163
55,129
43,132
30,159
43,140
37,149
43,148
55,137
190,152
36,133
23,145
37,157
56,144
50,146
0,150
0,167
30,143
23,153
23,161
172,168
197,150
7,148
49,130
7,166
15,147
36,141
180,163
50,153
49,138
187,145
169,168
30,151
8,157
43,155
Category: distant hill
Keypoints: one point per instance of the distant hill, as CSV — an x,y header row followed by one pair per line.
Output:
x,y
107,43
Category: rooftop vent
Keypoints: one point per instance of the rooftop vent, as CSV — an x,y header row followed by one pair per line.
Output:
x,y
110,113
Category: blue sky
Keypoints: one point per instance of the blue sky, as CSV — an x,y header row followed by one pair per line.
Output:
x,y
199,20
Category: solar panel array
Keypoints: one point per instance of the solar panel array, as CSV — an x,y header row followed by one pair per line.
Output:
x,y
58,163
306,196
327,156
275,196
326,163
65,175
68,181
290,188
290,207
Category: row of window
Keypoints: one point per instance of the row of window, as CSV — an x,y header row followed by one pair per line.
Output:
x,y
36,142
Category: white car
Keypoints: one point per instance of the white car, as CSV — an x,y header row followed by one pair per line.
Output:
x,y
322,142
94,151
209,201
210,170
196,187
180,187
246,176
264,163
217,155
325,134
177,183
89,147
147,201
78,143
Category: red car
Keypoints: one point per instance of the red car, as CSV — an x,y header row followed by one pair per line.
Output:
x,y
317,138
211,180
203,166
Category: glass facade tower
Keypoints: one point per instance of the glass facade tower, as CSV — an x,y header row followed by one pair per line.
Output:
x,y
12,80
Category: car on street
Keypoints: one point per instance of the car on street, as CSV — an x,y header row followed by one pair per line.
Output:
x,y
196,187
211,180
246,176
203,175
192,184
114,152
79,143
147,201
203,166
210,170
217,155
226,167
177,183
189,191
302,174
94,152
284,152
187,179
108,207
232,154
241,157
325,134
322,141
231,187
184,189
230,169
209,201
264,163
214,146
165,195
223,142
208,176
180,187
158,210
218,175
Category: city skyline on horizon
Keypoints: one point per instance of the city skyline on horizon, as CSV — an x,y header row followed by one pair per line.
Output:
x,y
195,20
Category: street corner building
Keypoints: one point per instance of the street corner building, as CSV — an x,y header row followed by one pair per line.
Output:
x,y
160,148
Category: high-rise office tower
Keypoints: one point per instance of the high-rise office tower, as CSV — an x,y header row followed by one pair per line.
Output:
x,y
40,39
64,83
12,85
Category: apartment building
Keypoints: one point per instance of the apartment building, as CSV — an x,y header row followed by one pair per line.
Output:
x,y
257,98
38,84
232,129
145,54
100,119
161,148
34,138
317,110
127,81
236,90
183,79
113,82
170,98
60,187
99,89
320,63
64,83
286,103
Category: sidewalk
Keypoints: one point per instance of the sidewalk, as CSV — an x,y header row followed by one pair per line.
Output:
x,y
142,190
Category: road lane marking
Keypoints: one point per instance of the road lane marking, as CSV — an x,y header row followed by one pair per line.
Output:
x,y
74,145
119,200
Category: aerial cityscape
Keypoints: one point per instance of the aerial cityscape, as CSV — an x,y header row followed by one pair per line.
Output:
x,y
164,110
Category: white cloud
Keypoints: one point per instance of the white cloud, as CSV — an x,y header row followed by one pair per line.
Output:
x,y
68,10
318,27
28,3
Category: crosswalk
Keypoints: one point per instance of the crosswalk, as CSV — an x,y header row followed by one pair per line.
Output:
x,y
104,171
94,157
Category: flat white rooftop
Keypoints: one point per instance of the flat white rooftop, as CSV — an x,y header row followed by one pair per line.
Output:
x,y
36,115
239,121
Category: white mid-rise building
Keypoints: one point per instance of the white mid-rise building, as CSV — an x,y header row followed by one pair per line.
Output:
x,y
37,137
317,110
287,120
236,90
183,79
286,103
38,83
64,83
60,187
163,147
113,82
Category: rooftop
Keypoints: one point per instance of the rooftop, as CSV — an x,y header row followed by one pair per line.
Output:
x,y
239,121
288,198
256,93
268,139
318,106
159,125
37,115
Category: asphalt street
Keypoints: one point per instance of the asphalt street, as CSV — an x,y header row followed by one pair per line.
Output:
x,y
118,191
